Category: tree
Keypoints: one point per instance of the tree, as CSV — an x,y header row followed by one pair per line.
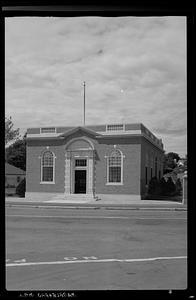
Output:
x,y
185,162
170,186
10,133
182,164
170,161
21,188
16,153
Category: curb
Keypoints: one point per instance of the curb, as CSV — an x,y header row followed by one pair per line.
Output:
x,y
86,206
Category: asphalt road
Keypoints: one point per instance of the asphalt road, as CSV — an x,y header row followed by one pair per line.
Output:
x,y
95,249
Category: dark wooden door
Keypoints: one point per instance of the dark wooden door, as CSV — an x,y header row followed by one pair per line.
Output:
x,y
80,181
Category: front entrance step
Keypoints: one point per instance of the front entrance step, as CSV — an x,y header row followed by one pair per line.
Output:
x,y
73,198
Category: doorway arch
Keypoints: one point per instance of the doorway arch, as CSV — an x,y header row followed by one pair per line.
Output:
x,y
79,166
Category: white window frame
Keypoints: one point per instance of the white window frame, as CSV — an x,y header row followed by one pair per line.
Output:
x,y
107,161
54,157
80,158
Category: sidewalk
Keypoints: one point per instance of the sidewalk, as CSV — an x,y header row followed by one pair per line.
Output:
x,y
108,204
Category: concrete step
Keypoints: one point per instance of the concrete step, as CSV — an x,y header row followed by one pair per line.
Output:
x,y
73,198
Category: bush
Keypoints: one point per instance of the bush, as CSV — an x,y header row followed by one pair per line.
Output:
x,y
163,185
154,187
178,187
164,188
21,188
170,187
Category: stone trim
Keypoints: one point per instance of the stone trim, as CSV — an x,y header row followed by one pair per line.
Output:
x,y
70,156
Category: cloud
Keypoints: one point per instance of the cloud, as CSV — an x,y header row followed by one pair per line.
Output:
x,y
47,60
174,132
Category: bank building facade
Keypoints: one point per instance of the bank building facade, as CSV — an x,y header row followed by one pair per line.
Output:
x,y
92,162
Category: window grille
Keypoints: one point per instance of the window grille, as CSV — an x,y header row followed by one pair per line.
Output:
x,y
115,127
80,162
115,167
48,130
47,166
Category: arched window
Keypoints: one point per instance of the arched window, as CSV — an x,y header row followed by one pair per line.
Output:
x,y
47,166
114,169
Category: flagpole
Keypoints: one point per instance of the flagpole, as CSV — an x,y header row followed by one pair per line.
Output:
x,y
84,101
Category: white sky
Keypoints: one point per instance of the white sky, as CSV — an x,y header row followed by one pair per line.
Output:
x,y
134,68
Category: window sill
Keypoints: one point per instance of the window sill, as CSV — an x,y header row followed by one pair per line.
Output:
x,y
47,182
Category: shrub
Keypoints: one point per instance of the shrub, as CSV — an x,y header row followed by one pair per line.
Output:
x,y
153,187
163,186
170,186
21,188
178,187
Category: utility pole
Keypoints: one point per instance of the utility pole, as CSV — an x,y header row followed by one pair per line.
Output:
x,y
84,102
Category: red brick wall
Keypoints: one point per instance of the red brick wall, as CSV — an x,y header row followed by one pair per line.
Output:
x,y
134,164
34,151
33,172
154,152
131,167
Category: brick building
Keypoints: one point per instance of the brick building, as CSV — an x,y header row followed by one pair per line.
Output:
x,y
100,161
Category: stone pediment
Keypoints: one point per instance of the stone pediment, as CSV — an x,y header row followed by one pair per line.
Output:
x,y
81,131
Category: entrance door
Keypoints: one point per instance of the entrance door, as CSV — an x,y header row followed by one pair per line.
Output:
x,y
80,181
